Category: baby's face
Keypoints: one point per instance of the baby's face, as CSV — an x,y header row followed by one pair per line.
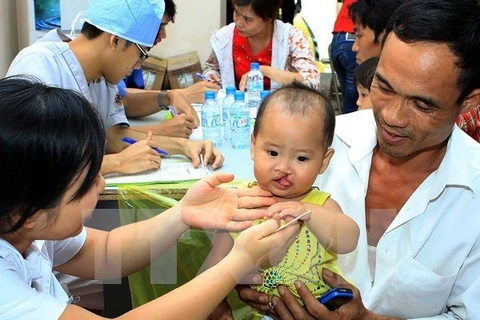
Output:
x,y
363,101
288,153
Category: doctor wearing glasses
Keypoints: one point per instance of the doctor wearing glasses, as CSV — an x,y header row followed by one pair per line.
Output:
x,y
113,42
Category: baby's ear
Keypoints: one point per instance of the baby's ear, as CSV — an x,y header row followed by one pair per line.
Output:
x,y
326,160
252,146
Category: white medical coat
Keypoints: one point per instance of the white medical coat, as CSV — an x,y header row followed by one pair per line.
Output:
x,y
55,64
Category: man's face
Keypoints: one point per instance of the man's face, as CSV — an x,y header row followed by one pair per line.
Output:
x,y
162,32
414,96
364,45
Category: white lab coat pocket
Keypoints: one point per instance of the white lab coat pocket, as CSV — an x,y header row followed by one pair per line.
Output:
x,y
412,291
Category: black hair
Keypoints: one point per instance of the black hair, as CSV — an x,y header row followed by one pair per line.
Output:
x,y
266,9
453,22
170,9
48,137
300,99
373,14
92,32
365,72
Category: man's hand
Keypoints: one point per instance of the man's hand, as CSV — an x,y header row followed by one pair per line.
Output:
x,y
180,126
181,105
136,158
211,155
196,92
288,307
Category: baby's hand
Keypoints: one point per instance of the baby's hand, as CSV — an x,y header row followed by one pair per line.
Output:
x,y
287,210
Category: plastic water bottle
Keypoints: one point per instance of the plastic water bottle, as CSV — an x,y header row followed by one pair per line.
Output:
x,y
254,85
211,119
264,94
240,122
226,104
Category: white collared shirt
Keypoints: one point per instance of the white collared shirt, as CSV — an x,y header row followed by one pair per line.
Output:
x,y
55,64
29,290
428,261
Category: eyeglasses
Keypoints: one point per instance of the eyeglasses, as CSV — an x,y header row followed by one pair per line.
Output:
x,y
143,54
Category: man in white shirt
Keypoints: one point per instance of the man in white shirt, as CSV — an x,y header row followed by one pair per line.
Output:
x,y
409,177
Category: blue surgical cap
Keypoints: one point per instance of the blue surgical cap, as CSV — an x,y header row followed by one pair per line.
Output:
x,y
137,21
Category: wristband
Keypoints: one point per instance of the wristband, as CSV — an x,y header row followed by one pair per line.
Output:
x,y
160,101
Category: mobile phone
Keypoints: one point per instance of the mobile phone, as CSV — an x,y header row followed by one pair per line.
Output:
x,y
335,298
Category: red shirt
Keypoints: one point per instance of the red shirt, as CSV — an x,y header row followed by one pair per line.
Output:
x,y
470,122
242,57
344,23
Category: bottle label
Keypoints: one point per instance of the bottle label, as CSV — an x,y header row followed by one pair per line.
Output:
x,y
240,122
212,121
255,85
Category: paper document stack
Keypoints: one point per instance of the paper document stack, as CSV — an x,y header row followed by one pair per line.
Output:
x,y
176,168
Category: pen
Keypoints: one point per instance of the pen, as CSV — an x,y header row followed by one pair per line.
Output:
x,y
201,161
201,76
132,141
172,111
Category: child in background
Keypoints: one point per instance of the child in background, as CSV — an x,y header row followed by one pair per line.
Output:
x,y
363,78
290,147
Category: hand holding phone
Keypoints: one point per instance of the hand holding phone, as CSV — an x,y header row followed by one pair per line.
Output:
x,y
335,298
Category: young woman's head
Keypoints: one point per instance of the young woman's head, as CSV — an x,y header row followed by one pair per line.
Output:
x,y
51,144
252,17
265,9
291,140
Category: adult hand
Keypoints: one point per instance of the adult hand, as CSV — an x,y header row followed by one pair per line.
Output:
x,y
206,205
261,244
221,312
215,77
253,298
211,155
242,86
288,209
289,308
196,92
136,158
180,126
181,105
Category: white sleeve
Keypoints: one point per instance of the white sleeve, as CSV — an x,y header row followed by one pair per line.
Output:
x,y
20,301
65,250
38,64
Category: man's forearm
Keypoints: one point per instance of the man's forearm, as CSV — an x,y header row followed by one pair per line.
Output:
x,y
140,103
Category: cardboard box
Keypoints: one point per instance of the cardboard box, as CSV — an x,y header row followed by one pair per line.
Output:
x,y
154,71
181,70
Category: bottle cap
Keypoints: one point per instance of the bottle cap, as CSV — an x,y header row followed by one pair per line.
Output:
x,y
230,90
239,95
209,95
264,93
254,65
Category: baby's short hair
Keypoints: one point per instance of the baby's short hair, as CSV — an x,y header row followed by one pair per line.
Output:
x,y
365,72
298,98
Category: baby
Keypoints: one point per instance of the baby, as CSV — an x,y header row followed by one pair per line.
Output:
x,y
290,147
